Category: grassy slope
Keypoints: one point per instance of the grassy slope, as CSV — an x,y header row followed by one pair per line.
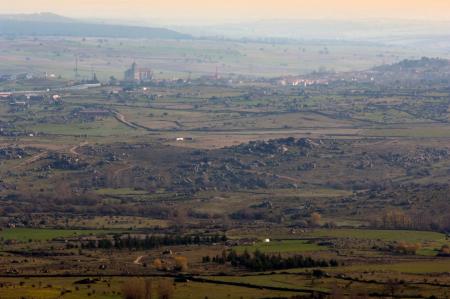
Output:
x,y
25,234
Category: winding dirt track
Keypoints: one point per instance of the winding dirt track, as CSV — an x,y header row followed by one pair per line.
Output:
x,y
121,118
120,170
284,177
137,261
73,150
31,160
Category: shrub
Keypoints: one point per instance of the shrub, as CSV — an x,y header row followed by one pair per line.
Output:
x,y
137,289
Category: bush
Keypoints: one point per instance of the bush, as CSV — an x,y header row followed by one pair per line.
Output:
x,y
137,289
165,289
181,263
405,248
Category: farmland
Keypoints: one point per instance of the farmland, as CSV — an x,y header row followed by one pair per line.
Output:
x,y
199,57
28,234
292,171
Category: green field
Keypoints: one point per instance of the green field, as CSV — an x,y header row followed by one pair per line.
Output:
x,y
106,127
417,132
385,235
120,191
284,246
40,288
26,234
276,280
419,267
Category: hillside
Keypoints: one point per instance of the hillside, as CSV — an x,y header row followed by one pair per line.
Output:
x,y
38,17
414,71
423,64
46,24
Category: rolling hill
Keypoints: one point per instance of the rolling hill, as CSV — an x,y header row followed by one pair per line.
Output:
x,y
47,24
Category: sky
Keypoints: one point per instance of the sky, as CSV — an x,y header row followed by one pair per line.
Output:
x,y
237,10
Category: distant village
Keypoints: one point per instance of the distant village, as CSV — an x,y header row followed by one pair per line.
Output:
x,y
142,78
138,75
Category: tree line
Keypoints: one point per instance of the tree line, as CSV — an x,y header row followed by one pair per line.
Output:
x,y
413,220
259,261
149,242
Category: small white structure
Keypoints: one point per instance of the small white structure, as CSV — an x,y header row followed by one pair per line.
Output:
x,y
266,240
180,139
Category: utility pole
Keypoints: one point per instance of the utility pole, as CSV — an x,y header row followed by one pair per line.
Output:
x,y
76,67
93,75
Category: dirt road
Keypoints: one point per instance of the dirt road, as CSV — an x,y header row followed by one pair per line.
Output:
x,y
121,118
137,261
73,150
31,160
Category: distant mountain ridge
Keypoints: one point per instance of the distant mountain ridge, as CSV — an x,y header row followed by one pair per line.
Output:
x,y
38,17
48,24
416,33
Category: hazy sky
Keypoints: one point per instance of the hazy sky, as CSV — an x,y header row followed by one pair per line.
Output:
x,y
221,10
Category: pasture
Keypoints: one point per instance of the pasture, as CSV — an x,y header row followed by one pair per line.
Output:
x,y
31,234
282,246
